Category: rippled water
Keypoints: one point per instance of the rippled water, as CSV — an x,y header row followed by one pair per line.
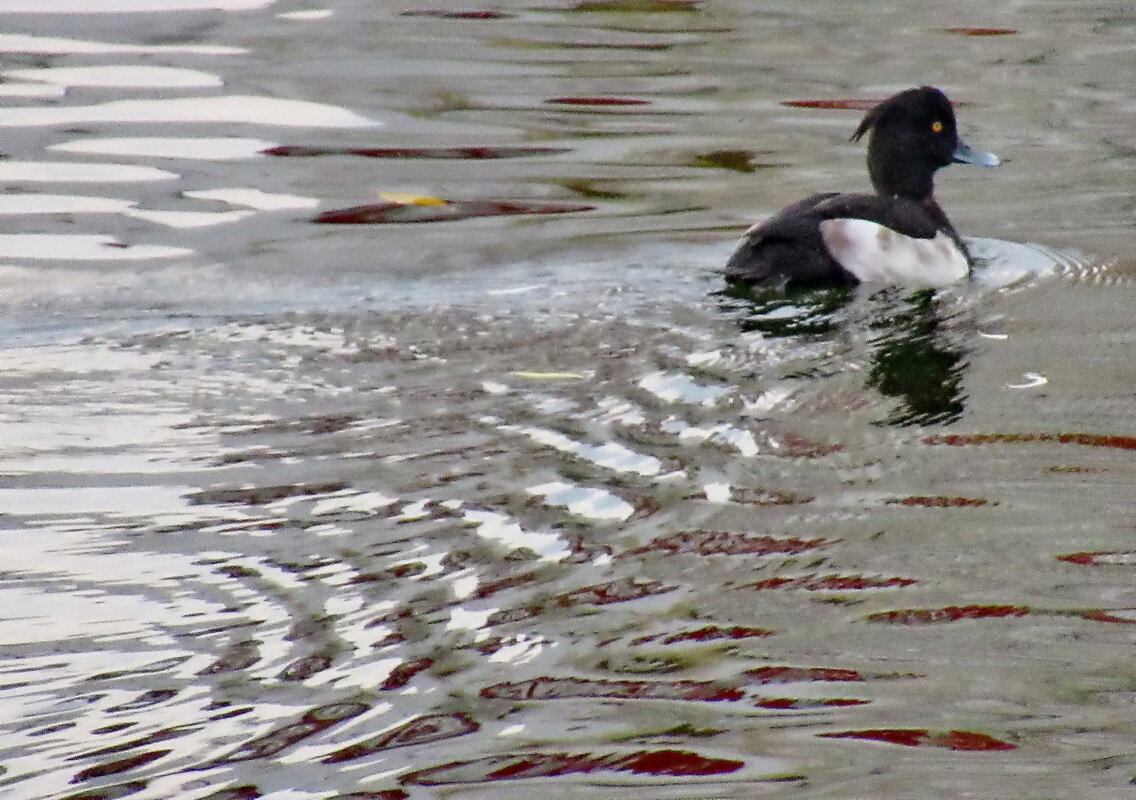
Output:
x,y
375,425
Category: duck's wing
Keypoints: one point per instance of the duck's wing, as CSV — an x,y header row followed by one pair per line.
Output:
x,y
916,220
787,250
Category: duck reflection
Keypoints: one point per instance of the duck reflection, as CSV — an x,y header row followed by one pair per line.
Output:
x,y
911,357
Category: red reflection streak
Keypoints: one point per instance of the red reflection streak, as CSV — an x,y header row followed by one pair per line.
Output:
x,y
941,501
981,31
1102,558
707,543
1084,439
457,14
599,595
314,721
431,728
1100,615
707,634
791,674
857,104
158,736
615,592
791,703
489,589
598,101
545,765
829,583
928,616
115,767
463,153
912,737
564,688
403,673
403,213
637,6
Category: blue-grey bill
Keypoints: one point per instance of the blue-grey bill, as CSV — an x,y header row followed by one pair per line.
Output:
x,y
965,154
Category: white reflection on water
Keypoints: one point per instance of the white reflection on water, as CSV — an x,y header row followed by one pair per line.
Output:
x,y
119,75
678,388
306,16
198,148
521,651
126,6
464,619
189,219
255,198
499,527
245,109
15,204
31,90
68,172
583,501
121,501
610,455
725,433
58,45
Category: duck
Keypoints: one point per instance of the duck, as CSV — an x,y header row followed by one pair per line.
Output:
x,y
897,236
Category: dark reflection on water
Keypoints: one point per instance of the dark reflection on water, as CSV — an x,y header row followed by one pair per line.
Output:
x,y
916,363
912,359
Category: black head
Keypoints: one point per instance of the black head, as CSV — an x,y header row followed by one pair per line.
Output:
x,y
913,134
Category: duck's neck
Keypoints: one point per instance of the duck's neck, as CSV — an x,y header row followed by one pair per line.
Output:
x,y
900,177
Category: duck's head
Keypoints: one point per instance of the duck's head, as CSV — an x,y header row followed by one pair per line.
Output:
x,y
913,134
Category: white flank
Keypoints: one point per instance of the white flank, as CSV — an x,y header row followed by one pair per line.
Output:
x,y
876,254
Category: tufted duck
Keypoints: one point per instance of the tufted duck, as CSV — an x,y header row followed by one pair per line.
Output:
x,y
899,235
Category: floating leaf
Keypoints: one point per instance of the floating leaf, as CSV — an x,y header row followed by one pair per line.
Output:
x,y
406,199
736,160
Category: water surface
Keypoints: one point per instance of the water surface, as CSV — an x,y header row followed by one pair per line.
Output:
x,y
375,424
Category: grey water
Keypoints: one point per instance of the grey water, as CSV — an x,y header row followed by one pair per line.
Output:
x,y
491,488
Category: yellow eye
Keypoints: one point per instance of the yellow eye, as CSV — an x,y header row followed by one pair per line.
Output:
x,y
937,126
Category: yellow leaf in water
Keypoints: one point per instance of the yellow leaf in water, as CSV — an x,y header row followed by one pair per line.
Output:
x,y
549,376
407,199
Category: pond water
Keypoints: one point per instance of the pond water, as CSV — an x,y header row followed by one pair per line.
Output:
x,y
375,424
